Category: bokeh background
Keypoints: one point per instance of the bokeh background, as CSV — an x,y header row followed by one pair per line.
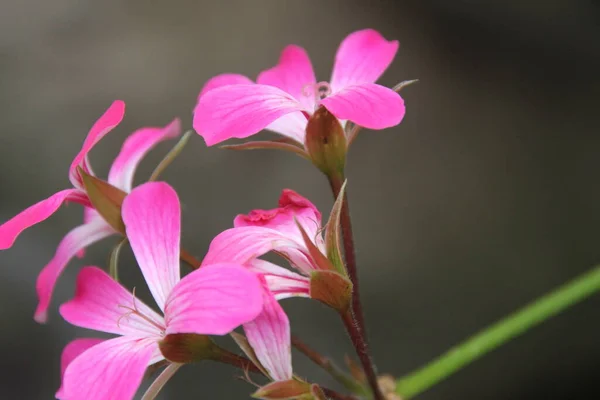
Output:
x,y
485,197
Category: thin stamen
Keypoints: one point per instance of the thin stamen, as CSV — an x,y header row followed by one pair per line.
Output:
x,y
135,311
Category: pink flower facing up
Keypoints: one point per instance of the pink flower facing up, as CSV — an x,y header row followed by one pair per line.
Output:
x,y
232,106
256,234
212,300
94,227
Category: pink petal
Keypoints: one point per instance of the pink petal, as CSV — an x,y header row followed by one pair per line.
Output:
x,y
244,244
239,111
224,80
292,208
152,219
74,242
103,305
110,370
71,352
135,148
269,336
293,74
282,282
292,125
370,105
110,119
362,57
213,300
11,229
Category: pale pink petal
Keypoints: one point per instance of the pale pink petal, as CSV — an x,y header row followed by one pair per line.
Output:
x,y
369,105
135,148
293,74
71,352
224,80
239,111
292,125
110,119
269,336
282,282
246,243
11,229
75,241
90,214
152,218
362,57
100,303
292,207
213,300
112,370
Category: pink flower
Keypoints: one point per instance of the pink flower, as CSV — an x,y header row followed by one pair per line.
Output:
x,y
94,227
256,234
232,106
212,300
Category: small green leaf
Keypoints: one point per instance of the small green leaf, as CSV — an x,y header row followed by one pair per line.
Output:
x,y
242,342
170,157
284,145
333,233
106,199
318,257
113,265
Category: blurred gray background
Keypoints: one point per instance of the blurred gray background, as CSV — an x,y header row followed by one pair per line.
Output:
x,y
485,197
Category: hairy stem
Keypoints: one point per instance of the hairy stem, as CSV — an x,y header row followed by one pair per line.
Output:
x,y
329,366
487,340
354,320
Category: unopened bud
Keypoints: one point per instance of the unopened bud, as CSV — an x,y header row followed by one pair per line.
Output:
x,y
326,142
185,348
291,389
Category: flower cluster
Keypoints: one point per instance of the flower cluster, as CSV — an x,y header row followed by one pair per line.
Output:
x,y
232,286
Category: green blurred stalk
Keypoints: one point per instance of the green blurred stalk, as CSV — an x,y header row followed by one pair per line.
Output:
x,y
499,333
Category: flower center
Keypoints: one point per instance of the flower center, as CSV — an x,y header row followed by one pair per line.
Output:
x,y
318,90
135,311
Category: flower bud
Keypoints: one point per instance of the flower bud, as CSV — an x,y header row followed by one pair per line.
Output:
x,y
185,348
326,142
280,390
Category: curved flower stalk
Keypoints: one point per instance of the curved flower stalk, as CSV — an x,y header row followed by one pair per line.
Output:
x,y
213,300
284,97
94,228
283,230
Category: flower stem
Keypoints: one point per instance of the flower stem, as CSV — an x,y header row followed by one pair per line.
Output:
x,y
329,366
487,340
335,395
354,319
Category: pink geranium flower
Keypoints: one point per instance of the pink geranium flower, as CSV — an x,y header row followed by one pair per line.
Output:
x,y
256,234
94,227
232,106
212,300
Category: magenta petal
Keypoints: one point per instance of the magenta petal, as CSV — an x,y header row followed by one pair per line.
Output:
x,y
244,244
369,105
135,148
103,305
152,218
74,242
213,300
71,352
293,74
282,282
239,111
110,370
110,119
269,336
224,80
362,57
292,207
11,229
